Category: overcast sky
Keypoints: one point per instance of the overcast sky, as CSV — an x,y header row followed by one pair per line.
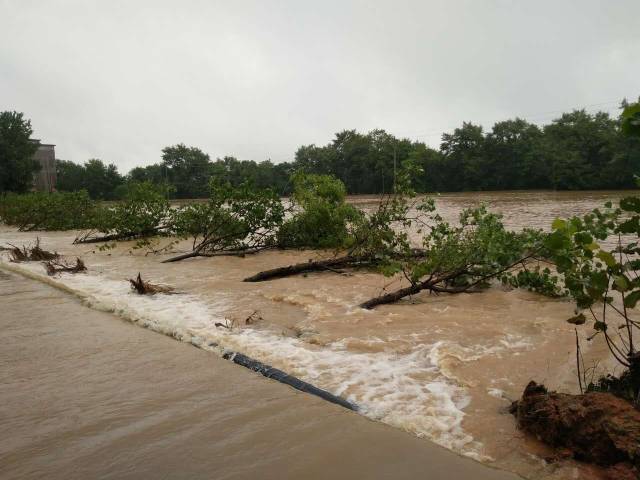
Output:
x,y
119,80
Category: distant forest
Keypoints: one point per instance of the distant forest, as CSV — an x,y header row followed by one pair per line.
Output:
x,y
577,151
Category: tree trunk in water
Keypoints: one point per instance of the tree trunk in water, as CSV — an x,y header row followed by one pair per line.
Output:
x,y
304,267
116,236
184,256
393,296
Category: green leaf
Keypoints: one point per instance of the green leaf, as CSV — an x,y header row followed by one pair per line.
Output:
x,y
558,224
599,283
607,258
621,283
600,326
556,241
583,238
631,299
579,319
630,120
630,204
592,246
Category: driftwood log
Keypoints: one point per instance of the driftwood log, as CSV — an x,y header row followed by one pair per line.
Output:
x,y
54,266
30,254
143,287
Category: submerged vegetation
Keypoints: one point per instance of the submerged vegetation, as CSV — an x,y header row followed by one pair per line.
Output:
x,y
233,221
143,212
47,211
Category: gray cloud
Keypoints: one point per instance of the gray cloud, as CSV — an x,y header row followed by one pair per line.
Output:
x,y
119,80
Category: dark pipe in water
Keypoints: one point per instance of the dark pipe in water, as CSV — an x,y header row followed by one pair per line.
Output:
x,y
282,377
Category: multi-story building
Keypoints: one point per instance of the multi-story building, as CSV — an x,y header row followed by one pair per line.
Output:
x,y
45,179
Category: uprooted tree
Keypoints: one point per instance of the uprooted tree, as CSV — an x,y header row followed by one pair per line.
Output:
x,y
358,240
451,259
144,212
463,258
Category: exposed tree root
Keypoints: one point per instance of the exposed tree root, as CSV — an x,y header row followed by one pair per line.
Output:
x,y
310,266
54,266
30,254
147,288
594,427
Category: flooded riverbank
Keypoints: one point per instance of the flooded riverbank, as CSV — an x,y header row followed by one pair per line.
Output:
x,y
440,367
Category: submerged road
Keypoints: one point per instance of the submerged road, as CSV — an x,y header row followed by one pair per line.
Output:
x,y
84,394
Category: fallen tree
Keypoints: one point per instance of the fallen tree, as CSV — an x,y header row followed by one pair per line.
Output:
x,y
369,241
144,212
464,258
235,221
331,264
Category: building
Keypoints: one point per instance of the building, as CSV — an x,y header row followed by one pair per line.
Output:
x,y
45,179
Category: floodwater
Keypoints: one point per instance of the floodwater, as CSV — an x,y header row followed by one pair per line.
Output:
x,y
440,367
85,395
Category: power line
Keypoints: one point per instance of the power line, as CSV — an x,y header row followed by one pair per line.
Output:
x,y
532,118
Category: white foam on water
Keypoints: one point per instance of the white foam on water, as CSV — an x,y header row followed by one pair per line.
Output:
x,y
407,391
497,393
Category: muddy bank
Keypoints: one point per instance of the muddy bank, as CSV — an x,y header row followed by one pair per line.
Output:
x,y
86,395
595,427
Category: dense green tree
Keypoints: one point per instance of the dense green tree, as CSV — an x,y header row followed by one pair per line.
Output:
x,y
101,181
463,152
511,157
187,169
17,165
431,163
578,150
70,175
156,173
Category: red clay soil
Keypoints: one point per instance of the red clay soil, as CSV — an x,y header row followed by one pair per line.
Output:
x,y
595,427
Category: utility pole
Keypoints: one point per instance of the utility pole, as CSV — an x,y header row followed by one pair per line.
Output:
x,y
394,167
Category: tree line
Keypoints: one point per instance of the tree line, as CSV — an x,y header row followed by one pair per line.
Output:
x,y
577,151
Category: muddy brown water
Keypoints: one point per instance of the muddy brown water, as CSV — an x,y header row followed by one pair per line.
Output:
x,y
441,368
86,395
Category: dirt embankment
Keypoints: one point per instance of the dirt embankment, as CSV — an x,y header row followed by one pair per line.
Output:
x,y
595,427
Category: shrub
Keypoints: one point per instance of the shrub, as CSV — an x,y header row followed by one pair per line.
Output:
x,y
47,211
144,211
323,217
235,219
